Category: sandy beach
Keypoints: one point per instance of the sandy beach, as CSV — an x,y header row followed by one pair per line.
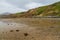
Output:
x,y
30,29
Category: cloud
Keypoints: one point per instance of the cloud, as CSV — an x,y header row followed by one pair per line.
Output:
x,y
33,5
49,1
22,5
6,7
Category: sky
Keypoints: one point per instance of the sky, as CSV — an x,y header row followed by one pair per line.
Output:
x,y
13,6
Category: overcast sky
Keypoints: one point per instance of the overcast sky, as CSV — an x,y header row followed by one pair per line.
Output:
x,y
13,6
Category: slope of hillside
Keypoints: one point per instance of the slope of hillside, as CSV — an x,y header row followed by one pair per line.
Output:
x,y
49,10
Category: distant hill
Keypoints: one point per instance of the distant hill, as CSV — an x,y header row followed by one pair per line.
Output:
x,y
5,15
50,10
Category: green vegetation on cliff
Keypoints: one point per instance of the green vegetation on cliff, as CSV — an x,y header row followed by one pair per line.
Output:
x,y
49,10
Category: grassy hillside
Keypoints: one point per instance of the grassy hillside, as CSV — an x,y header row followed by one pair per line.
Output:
x,y
50,10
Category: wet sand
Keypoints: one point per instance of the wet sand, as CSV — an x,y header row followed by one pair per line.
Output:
x,y
30,29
